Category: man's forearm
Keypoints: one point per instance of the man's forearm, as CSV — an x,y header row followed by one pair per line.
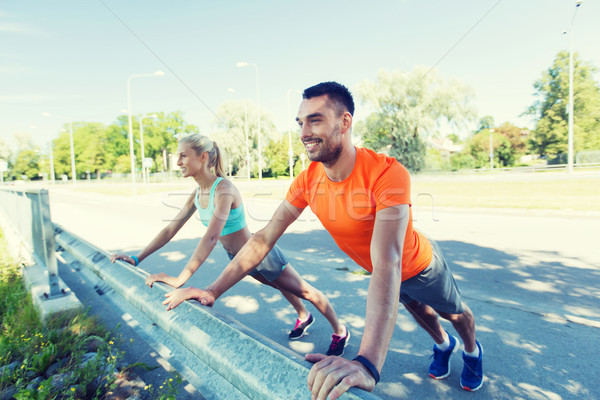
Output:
x,y
253,252
382,310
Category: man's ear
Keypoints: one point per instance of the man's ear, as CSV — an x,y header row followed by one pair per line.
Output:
x,y
346,122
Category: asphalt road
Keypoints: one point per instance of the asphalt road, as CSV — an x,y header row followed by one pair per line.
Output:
x,y
531,278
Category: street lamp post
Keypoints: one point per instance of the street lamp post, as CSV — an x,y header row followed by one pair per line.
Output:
x,y
131,153
73,171
570,140
52,177
144,174
260,164
290,150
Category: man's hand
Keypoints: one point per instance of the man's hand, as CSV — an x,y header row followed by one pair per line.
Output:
x,y
333,376
176,297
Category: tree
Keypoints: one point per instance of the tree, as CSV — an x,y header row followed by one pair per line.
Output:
x,y
478,148
550,136
160,135
27,163
277,155
486,122
514,134
5,155
27,160
408,107
90,147
89,141
235,118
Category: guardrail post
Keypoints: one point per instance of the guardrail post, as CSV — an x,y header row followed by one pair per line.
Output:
x,y
46,243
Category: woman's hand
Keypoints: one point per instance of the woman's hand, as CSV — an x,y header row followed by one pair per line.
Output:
x,y
160,277
176,297
123,257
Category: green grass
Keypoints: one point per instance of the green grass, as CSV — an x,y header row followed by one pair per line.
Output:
x,y
31,347
547,190
549,193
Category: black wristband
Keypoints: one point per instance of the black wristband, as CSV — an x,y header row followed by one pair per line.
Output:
x,y
368,365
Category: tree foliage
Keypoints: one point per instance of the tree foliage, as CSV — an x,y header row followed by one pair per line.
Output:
x,y
550,136
236,119
507,145
100,149
27,161
408,107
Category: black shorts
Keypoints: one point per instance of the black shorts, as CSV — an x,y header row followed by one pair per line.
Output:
x,y
434,286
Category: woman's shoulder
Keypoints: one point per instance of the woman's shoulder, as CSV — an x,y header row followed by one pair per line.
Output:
x,y
226,188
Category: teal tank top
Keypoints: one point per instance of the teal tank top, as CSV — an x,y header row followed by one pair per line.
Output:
x,y
236,219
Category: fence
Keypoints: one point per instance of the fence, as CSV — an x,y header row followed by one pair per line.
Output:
x,y
531,168
28,211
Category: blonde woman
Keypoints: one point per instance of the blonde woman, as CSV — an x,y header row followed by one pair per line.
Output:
x,y
221,210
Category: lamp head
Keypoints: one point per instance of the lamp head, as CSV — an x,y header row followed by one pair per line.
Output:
x,y
46,114
159,73
241,64
578,3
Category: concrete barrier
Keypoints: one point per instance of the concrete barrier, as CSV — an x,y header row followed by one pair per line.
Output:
x,y
256,366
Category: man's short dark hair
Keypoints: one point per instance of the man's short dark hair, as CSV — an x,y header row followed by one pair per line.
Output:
x,y
337,93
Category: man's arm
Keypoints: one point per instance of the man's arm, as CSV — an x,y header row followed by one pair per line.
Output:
x,y
382,308
253,251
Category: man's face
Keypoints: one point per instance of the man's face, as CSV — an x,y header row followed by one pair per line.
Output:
x,y
320,129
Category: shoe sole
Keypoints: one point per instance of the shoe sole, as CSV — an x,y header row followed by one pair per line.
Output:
x,y
303,332
468,389
454,350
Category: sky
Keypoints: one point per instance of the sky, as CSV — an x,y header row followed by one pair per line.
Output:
x,y
73,59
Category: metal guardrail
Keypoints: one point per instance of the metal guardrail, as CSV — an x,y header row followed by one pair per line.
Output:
x,y
256,366
28,211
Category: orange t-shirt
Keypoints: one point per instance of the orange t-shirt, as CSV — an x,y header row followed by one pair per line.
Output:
x,y
347,209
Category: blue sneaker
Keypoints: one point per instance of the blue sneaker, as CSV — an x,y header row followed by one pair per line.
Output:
x,y
471,378
440,366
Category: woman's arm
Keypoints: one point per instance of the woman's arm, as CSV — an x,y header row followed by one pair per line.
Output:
x,y
224,199
165,235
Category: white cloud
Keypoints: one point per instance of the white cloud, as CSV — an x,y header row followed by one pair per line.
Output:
x,y
13,27
23,98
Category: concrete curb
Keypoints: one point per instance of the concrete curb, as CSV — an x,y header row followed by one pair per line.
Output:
x,y
256,366
36,281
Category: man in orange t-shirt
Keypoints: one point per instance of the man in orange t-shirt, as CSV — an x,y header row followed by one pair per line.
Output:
x,y
363,200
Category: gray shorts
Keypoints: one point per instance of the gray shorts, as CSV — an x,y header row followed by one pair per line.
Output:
x,y
434,286
271,266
